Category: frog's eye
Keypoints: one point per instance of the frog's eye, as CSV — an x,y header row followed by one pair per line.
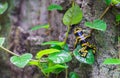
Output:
x,y
78,29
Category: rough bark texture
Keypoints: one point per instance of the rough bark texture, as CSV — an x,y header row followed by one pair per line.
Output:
x,y
28,13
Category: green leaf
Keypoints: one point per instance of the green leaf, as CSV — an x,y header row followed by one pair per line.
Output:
x,y
118,17
108,2
55,69
54,7
115,2
73,15
66,48
2,40
44,65
53,43
89,59
56,47
34,62
97,24
21,61
111,61
61,57
118,39
73,75
46,52
60,47
3,7
39,27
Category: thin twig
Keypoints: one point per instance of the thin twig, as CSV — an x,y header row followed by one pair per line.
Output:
x,y
67,33
66,73
8,51
105,11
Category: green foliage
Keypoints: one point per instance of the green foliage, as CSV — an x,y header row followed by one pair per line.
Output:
x,y
108,2
46,52
66,48
118,39
34,62
55,68
111,61
115,2
73,15
44,65
89,59
97,24
61,57
118,18
2,40
40,26
51,67
54,7
21,61
53,43
56,47
56,58
59,47
3,7
73,75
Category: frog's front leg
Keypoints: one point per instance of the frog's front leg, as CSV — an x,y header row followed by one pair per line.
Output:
x,y
77,40
92,47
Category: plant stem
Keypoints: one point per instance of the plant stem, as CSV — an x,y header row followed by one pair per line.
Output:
x,y
67,33
47,76
105,11
66,73
56,76
8,51
40,67
72,1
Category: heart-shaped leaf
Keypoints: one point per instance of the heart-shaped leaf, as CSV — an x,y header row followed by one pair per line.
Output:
x,y
54,7
60,57
111,61
89,59
72,16
97,24
3,7
46,52
21,61
2,40
73,75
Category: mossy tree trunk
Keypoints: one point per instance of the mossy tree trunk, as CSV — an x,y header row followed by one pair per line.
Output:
x,y
28,13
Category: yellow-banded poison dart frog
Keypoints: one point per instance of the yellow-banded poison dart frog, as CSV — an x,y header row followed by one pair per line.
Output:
x,y
82,40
